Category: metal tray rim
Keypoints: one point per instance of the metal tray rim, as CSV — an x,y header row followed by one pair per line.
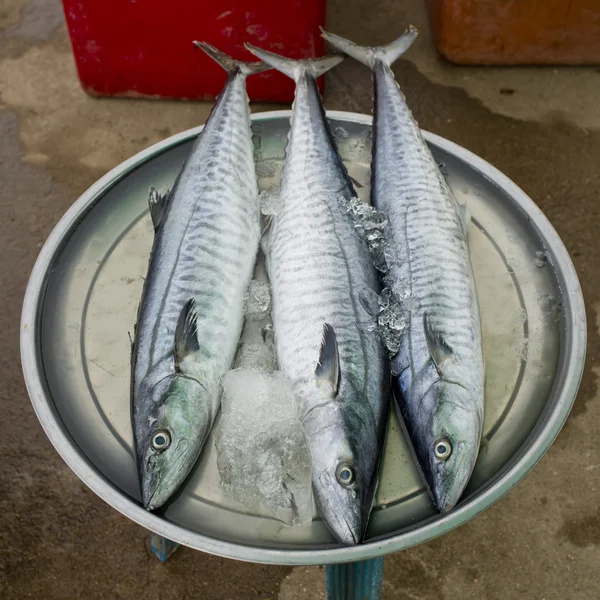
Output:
x,y
562,395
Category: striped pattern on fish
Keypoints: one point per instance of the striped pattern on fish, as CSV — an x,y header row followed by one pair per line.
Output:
x,y
439,368
428,230
316,263
206,246
207,235
322,280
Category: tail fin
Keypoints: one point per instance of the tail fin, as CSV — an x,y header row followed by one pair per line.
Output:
x,y
368,56
294,68
230,64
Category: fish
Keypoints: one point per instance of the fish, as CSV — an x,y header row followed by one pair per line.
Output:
x,y
438,367
206,239
323,284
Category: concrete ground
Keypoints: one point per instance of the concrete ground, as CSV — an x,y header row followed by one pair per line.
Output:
x,y
540,126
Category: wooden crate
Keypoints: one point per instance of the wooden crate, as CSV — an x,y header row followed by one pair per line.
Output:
x,y
517,31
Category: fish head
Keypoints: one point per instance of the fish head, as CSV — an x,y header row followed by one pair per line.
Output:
x,y
448,446
172,437
339,487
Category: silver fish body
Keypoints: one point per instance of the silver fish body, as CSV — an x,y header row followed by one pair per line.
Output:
x,y
322,280
438,369
207,234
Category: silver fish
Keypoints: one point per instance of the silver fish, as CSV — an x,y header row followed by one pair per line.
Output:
x,y
322,283
438,369
207,233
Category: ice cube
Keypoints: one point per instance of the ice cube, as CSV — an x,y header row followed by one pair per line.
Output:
x,y
267,168
257,300
263,459
391,319
339,134
269,202
258,356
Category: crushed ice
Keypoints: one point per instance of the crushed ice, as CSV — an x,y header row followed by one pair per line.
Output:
x,y
267,168
393,300
263,459
391,320
541,258
258,356
368,222
269,202
339,134
257,300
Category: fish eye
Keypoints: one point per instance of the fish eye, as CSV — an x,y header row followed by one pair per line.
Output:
x,y
345,474
161,440
442,449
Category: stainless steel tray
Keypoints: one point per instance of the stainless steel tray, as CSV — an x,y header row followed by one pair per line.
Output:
x,y
82,299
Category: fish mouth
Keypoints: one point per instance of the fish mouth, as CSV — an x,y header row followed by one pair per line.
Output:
x,y
446,497
335,519
151,498
443,503
151,503
346,534
160,482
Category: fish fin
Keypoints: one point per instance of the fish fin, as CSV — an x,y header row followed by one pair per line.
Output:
x,y
230,64
157,200
328,367
356,183
369,300
295,68
186,333
464,212
266,222
439,350
369,56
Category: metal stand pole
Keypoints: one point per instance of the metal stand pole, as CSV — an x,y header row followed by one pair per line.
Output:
x,y
350,581
355,581
162,547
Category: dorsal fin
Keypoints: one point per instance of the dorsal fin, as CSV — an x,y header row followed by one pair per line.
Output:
x,y
327,371
186,334
369,300
440,351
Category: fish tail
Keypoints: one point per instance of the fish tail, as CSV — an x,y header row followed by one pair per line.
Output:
x,y
369,56
295,68
230,64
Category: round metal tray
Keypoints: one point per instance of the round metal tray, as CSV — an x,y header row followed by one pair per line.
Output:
x,y
82,299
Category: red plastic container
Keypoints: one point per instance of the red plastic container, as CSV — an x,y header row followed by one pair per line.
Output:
x,y
144,48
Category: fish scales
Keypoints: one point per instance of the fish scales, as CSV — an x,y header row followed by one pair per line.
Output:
x,y
325,337
307,239
434,262
185,252
206,240
438,368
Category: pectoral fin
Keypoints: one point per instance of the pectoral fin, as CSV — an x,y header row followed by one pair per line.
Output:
x,y
186,335
266,222
439,350
157,200
369,300
465,215
327,371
